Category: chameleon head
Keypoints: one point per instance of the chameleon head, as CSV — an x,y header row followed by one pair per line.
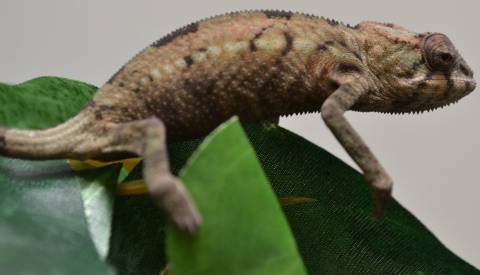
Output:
x,y
445,77
421,72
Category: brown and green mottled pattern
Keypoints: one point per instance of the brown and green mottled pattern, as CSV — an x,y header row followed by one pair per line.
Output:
x,y
258,65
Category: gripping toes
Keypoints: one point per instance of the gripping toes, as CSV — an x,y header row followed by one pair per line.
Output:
x,y
169,192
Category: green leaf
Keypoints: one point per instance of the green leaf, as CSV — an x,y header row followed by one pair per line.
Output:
x,y
244,229
42,222
42,102
98,195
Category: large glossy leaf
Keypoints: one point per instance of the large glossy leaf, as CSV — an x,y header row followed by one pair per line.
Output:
x,y
43,229
336,233
244,230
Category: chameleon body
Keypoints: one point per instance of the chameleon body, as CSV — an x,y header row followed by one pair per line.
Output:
x,y
258,65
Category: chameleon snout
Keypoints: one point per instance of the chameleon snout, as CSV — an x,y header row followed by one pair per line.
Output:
x,y
471,85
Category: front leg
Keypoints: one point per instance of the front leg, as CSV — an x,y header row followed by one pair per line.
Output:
x,y
333,110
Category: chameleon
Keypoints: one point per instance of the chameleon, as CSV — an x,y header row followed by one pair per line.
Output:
x,y
257,65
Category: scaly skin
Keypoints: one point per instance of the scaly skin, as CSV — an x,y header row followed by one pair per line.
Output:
x,y
258,65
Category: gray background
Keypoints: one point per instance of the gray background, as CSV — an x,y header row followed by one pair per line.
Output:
x,y
432,157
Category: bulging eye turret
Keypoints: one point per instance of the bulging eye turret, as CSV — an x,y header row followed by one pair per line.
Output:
x,y
439,52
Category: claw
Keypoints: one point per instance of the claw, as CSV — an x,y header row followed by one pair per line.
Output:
x,y
171,195
188,222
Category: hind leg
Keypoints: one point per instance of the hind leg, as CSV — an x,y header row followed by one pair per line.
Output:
x,y
147,139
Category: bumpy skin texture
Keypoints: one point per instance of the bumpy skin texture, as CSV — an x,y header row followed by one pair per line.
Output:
x,y
258,65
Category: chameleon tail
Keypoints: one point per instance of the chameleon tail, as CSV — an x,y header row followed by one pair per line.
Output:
x,y
53,143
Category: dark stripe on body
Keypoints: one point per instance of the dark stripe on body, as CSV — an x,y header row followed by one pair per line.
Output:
x,y
450,83
289,41
253,47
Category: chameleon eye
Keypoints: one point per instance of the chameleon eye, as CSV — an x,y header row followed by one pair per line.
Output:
x,y
439,52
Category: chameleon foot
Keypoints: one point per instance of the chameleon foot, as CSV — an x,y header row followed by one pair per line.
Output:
x,y
382,191
172,196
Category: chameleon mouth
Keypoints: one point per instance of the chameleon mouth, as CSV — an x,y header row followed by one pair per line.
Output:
x,y
445,92
421,110
434,91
